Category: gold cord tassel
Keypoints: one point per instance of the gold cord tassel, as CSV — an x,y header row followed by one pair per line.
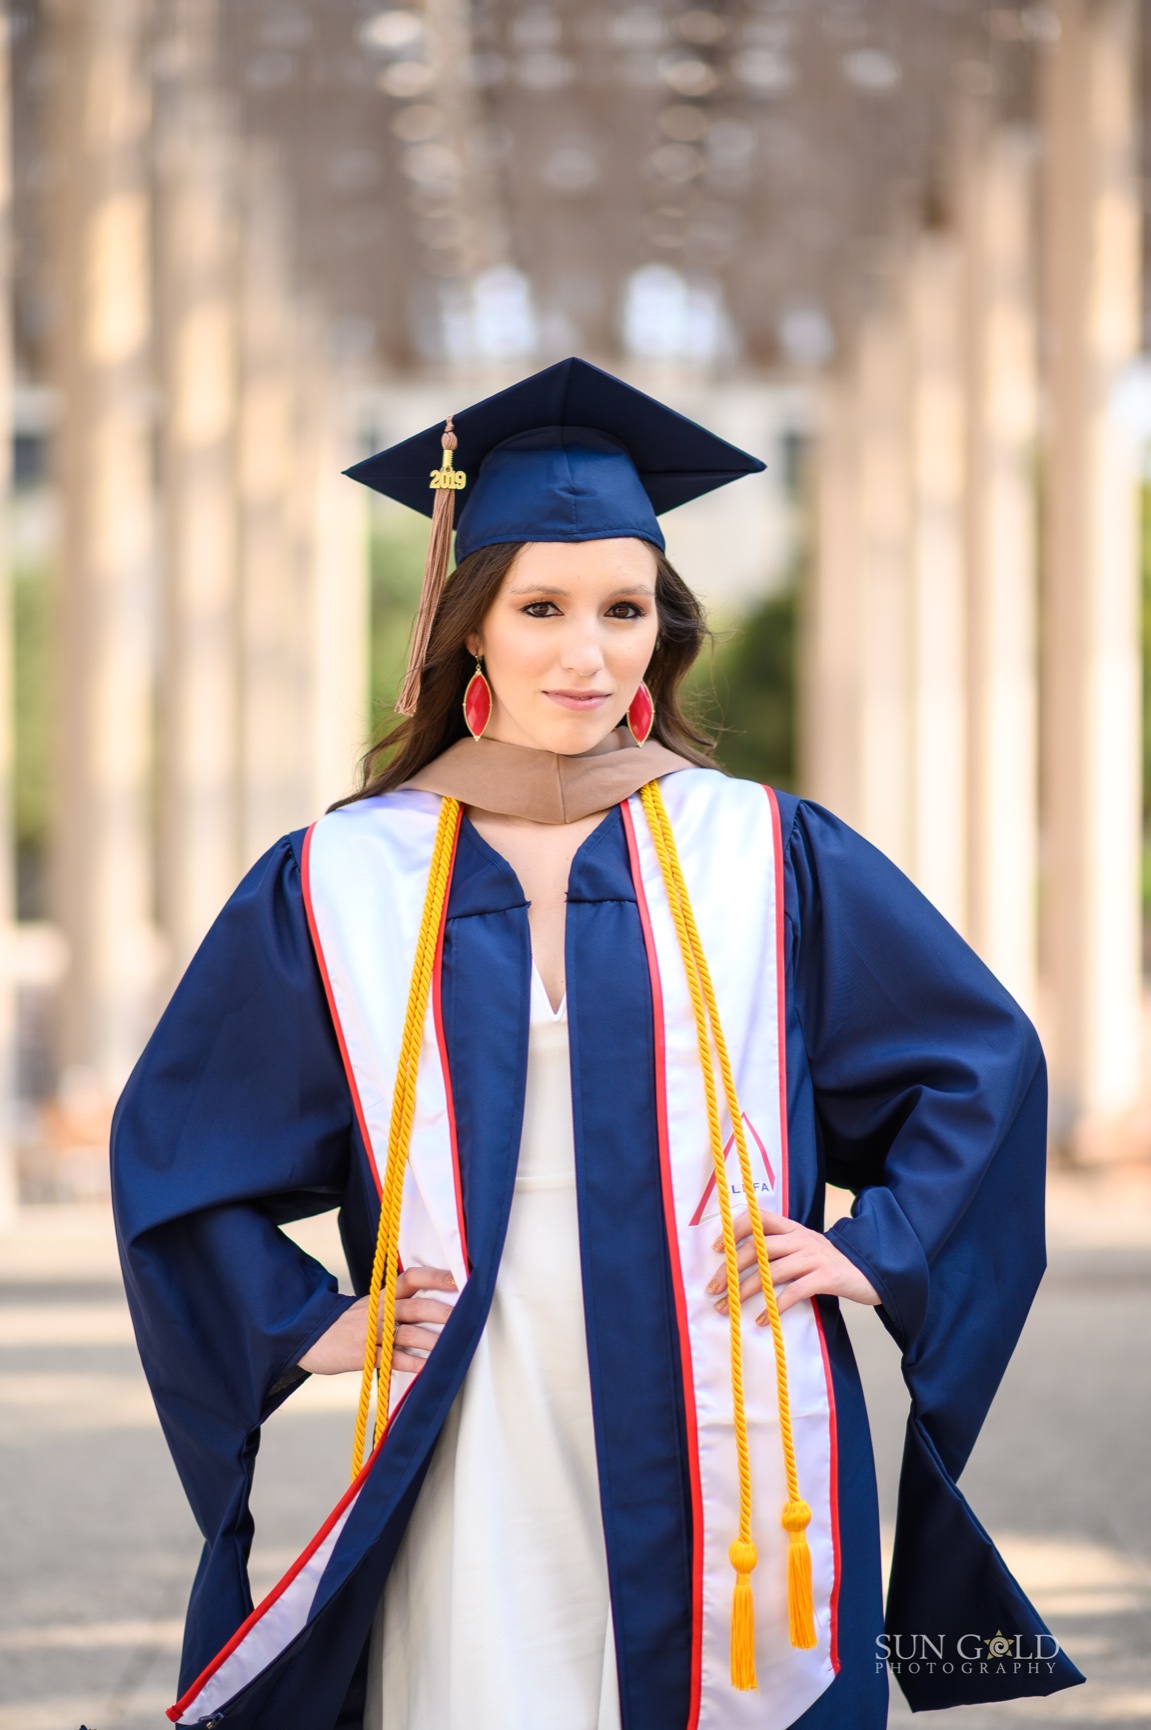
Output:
x,y
796,1514
795,1519
381,1332
743,1559
446,481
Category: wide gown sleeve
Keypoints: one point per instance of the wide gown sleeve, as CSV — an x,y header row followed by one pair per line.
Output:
x,y
236,1117
930,1097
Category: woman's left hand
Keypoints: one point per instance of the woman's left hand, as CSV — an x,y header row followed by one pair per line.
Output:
x,y
804,1263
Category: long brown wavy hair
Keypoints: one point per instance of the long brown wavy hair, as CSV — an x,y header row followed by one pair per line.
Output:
x,y
408,745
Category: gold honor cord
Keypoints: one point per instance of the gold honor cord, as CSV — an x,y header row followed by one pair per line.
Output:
x,y
380,1340
796,1514
381,1331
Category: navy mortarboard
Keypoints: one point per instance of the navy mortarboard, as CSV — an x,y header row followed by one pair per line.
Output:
x,y
570,454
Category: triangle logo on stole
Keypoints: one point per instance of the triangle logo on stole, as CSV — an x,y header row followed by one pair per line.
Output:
x,y
764,1190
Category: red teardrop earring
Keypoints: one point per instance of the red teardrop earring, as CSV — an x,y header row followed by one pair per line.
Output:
x,y
641,714
477,701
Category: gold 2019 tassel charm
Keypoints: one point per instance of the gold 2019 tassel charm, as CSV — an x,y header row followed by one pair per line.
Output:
x,y
446,482
795,1520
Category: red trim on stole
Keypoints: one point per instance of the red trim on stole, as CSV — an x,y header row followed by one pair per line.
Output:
x,y
175,1712
281,1586
313,1545
833,1432
676,1272
833,1437
309,1550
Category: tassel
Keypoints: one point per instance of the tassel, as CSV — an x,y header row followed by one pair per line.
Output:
x,y
800,1602
743,1559
446,482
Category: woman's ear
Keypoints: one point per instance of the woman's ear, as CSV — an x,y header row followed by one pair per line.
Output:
x,y
473,645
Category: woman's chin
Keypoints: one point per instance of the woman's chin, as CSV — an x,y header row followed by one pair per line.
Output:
x,y
565,733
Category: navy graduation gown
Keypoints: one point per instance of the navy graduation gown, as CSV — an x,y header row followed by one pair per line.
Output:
x,y
913,1080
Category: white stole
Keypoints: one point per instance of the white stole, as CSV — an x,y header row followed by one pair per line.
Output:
x,y
728,841
366,870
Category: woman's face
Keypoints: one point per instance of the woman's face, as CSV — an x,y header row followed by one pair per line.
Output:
x,y
567,640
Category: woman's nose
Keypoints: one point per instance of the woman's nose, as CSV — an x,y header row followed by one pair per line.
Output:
x,y
582,652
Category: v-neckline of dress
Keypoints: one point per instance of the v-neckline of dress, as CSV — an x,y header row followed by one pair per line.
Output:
x,y
556,1014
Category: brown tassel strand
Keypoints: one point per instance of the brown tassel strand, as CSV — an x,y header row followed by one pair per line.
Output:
x,y
446,481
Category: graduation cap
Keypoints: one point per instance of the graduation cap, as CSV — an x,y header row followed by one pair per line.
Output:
x,y
570,454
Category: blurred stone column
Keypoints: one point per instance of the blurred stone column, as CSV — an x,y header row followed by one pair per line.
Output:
x,y
8,1183
273,744
1091,927
103,831
197,270
938,634
829,737
884,542
997,216
340,682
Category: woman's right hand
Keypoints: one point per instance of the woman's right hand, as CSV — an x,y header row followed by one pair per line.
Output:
x,y
417,1319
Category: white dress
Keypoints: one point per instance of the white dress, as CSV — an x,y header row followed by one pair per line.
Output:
x,y
496,1613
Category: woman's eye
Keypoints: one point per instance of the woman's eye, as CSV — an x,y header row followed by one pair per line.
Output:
x,y
540,609
625,610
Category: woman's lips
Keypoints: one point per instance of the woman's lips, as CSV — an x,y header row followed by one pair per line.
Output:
x,y
580,701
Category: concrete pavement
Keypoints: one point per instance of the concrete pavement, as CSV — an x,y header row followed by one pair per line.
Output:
x,y
99,1548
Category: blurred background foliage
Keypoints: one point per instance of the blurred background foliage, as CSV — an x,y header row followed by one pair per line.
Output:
x,y
399,542
35,706
751,693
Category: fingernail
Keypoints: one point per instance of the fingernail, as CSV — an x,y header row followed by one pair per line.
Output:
x,y
761,1319
452,1283
721,1306
717,1245
716,1285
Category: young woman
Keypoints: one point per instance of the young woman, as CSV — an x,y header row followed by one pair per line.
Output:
x,y
574,1029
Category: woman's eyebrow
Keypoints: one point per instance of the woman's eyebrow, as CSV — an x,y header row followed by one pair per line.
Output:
x,y
565,594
